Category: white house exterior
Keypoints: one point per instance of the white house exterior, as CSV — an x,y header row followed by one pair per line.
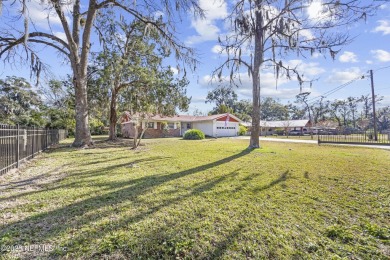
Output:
x,y
163,126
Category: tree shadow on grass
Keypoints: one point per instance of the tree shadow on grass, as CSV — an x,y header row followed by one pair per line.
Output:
x,y
282,178
82,177
67,217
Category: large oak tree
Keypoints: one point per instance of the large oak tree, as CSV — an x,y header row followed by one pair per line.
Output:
x,y
20,39
265,32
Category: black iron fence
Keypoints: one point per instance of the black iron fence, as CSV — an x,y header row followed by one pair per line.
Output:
x,y
18,144
358,137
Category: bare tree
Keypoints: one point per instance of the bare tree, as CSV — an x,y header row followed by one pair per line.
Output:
x,y
303,98
266,31
77,22
319,109
353,104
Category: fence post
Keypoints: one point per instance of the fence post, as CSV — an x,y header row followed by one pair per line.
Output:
x,y
17,146
32,141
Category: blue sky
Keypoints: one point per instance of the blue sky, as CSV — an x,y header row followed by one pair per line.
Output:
x,y
369,50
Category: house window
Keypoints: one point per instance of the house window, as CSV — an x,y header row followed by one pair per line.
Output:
x,y
151,125
188,125
171,125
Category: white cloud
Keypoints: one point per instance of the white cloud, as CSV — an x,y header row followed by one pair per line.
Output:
x,y
206,28
381,55
174,70
348,56
384,27
61,35
316,55
198,100
217,49
318,12
310,69
341,77
158,14
307,34
41,15
369,62
270,86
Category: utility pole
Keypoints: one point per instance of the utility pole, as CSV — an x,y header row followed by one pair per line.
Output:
x,y
373,105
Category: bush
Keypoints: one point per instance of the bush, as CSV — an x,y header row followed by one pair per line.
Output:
x,y
279,132
193,134
242,130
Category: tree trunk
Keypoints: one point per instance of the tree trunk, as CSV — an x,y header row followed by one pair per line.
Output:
x,y
113,116
258,60
135,135
254,141
82,134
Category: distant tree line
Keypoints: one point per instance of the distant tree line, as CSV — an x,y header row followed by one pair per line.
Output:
x,y
354,112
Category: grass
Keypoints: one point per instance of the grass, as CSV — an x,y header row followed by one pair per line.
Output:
x,y
199,199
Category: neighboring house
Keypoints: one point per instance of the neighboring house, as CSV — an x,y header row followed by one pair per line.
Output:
x,y
271,127
175,126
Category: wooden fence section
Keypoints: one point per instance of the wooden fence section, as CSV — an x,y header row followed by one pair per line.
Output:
x,y
18,144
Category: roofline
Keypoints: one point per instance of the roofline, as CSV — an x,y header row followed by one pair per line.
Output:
x,y
230,115
196,119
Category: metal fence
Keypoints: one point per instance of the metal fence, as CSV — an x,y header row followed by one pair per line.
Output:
x,y
361,137
18,144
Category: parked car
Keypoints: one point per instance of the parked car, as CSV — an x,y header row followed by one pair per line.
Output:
x,y
295,132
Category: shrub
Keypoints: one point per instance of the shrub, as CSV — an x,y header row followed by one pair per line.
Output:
x,y
242,130
193,134
279,132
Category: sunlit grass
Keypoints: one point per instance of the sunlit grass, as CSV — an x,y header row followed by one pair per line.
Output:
x,y
201,199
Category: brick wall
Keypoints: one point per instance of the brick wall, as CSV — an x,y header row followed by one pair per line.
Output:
x,y
128,132
159,133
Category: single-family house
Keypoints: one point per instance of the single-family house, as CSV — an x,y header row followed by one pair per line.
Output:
x,y
174,126
275,127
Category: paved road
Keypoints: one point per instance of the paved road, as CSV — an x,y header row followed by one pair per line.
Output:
x,y
387,147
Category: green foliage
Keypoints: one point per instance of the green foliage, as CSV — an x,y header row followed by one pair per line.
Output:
x,y
130,71
96,126
194,134
242,130
60,109
224,98
279,131
20,103
243,110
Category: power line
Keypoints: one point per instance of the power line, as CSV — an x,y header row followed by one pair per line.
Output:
x,y
382,68
332,91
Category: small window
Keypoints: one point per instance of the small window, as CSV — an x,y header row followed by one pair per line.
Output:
x,y
188,125
151,125
171,125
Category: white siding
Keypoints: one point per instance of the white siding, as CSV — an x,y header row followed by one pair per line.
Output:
x,y
205,126
228,129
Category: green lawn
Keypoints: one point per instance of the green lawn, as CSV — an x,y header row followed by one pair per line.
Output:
x,y
199,199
